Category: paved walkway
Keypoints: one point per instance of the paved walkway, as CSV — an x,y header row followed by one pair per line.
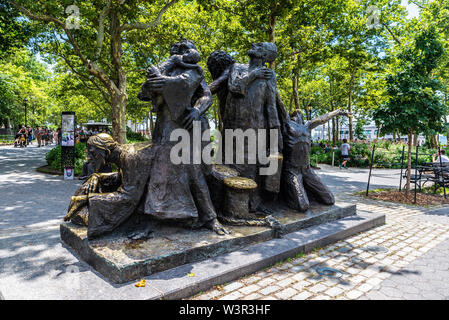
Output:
x,y
407,258
30,200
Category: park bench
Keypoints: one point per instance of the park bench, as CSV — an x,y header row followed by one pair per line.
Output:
x,y
433,172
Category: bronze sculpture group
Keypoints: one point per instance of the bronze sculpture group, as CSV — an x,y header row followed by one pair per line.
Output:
x,y
203,195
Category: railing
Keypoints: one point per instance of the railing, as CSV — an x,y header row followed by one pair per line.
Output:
x,y
415,167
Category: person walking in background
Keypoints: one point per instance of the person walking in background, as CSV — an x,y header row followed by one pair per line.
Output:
x,y
83,136
55,136
30,135
59,136
49,135
345,147
44,136
37,134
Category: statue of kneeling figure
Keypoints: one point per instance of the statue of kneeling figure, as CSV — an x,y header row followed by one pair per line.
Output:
x,y
105,200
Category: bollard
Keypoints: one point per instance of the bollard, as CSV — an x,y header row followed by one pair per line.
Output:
x,y
370,168
416,172
402,165
441,172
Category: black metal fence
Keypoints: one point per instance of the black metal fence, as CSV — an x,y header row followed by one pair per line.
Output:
x,y
439,170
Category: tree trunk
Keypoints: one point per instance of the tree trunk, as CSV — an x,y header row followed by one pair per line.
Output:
x,y
290,106
328,131
151,124
147,133
337,131
216,118
409,162
295,92
119,98
351,82
118,104
445,118
272,27
334,128
435,141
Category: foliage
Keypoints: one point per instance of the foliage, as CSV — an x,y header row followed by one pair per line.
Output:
x,y
359,132
386,155
327,56
22,76
53,157
414,105
132,136
14,32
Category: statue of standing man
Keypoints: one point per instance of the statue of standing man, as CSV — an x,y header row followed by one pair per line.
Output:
x,y
250,104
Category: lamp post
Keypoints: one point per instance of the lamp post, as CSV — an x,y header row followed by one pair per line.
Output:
x,y
310,112
25,101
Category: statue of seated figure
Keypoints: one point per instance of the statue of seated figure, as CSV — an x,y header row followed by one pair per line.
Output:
x,y
105,200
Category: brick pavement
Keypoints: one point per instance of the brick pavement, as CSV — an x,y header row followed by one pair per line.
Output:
x,y
32,205
407,258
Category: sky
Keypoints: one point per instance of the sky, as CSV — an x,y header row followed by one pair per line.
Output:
x,y
413,9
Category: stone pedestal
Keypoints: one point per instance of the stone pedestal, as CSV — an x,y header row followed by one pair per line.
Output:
x,y
121,260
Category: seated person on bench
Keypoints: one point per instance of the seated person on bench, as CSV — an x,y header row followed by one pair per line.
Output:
x,y
441,155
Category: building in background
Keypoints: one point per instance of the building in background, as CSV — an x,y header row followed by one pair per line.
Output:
x,y
370,130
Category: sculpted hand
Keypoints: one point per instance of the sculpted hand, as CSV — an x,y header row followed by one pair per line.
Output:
x,y
152,72
156,84
91,185
194,115
263,73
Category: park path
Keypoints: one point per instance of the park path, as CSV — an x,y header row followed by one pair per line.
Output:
x,y
30,201
407,258
35,265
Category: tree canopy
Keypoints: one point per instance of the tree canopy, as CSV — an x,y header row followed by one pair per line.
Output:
x,y
346,54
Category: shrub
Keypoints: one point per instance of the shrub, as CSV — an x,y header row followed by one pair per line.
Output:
x,y
53,157
134,136
387,155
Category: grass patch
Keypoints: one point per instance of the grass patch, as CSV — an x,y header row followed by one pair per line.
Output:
x,y
49,170
362,193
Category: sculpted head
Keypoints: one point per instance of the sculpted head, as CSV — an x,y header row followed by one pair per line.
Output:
x,y
99,147
218,62
264,50
182,46
296,116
